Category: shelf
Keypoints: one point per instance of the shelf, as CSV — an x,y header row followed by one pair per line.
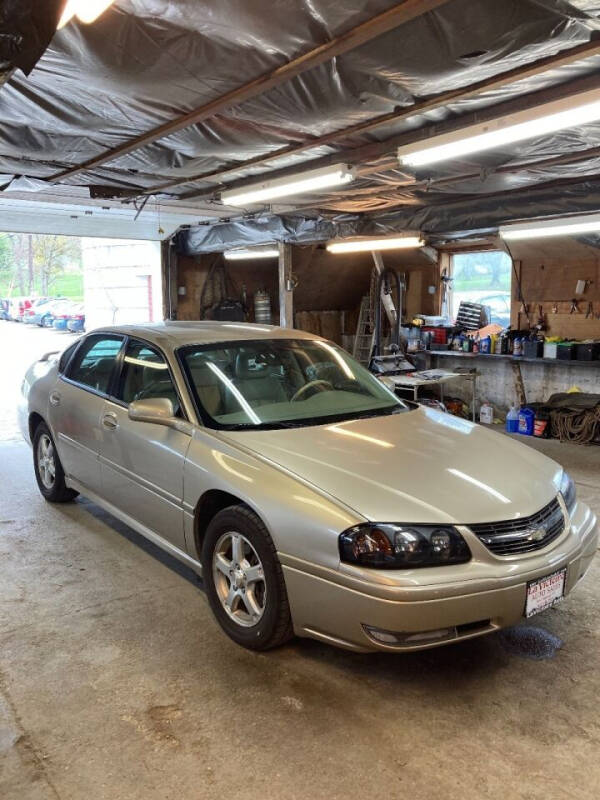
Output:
x,y
557,362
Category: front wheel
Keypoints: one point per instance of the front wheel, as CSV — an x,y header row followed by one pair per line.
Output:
x,y
48,469
244,580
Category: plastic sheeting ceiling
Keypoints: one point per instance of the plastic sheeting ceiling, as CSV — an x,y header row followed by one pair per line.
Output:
x,y
144,62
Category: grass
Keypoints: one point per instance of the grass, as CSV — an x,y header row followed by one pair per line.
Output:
x,y
483,282
69,285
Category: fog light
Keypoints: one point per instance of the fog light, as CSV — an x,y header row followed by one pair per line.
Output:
x,y
399,639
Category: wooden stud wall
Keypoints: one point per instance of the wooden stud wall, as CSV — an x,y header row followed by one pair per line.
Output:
x,y
549,270
329,290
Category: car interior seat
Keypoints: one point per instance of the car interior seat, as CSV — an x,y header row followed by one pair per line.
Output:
x,y
256,382
157,383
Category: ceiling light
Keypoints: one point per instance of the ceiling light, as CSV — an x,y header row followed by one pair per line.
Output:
x,y
86,11
568,226
251,252
367,245
313,181
578,109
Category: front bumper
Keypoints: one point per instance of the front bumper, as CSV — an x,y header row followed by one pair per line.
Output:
x,y
344,613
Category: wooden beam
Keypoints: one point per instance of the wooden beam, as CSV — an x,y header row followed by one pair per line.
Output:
x,y
400,14
564,58
372,152
286,294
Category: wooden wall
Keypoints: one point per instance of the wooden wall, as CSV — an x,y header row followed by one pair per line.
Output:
x,y
326,283
549,270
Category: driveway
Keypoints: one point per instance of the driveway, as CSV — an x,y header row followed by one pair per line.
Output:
x,y
20,346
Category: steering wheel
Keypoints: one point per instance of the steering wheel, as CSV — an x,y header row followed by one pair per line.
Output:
x,y
307,386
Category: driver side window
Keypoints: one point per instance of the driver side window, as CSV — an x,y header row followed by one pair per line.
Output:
x,y
146,375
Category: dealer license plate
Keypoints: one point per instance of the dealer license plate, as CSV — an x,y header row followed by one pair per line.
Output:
x,y
545,592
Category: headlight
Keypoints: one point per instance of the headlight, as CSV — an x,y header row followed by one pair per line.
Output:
x,y
395,546
568,491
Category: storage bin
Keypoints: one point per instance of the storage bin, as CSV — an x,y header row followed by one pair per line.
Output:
x,y
550,349
587,351
533,349
438,335
565,351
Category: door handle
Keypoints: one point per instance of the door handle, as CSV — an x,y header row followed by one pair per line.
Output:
x,y
110,421
54,399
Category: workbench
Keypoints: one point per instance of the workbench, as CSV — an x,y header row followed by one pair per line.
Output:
x,y
542,377
413,382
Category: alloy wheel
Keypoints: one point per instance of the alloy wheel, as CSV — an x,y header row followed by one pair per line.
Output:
x,y
239,579
46,461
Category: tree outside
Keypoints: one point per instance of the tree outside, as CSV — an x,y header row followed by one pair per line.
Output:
x,y
485,278
40,265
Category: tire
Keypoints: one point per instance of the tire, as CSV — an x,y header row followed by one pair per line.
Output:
x,y
49,473
247,594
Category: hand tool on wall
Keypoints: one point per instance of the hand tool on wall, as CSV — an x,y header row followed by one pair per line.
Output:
x,y
541,320
589,314
574,307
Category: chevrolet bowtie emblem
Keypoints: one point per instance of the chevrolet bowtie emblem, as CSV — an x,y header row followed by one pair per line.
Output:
x,y
536,534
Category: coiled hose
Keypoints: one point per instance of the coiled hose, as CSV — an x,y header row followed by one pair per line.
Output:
x,y
570,425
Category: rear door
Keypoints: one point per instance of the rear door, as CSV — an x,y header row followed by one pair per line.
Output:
x,y
142,464
76,405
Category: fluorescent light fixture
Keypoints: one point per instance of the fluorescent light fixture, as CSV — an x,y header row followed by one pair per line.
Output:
x,y
557,115
568,226
367,245
86,11
251,252
336,175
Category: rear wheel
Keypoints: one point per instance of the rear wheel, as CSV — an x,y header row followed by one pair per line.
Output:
x,y
244,580
48,469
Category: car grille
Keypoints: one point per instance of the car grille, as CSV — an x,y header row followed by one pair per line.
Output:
x,y
522,535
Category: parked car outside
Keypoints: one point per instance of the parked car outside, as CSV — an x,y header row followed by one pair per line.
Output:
x,y
76,321
4,309
497,304
310,498
30,312
59,310
17,306
42,310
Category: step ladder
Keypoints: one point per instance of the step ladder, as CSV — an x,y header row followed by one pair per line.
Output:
x,y
365,333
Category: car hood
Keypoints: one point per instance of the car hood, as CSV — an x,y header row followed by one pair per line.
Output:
x,y
418,466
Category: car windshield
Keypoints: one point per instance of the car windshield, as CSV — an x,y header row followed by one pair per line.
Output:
x,y
277,383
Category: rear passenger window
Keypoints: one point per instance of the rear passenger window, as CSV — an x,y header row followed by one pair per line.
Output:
x,y
66,357
94,362
146,375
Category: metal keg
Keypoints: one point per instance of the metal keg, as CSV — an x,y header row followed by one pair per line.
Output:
x,y
262,307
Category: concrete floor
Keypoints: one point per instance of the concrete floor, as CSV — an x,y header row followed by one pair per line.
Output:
x,y
116,683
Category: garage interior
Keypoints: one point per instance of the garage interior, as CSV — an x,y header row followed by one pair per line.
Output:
x,y
115,681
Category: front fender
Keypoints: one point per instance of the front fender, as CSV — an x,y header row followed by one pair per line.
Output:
x,y
302,521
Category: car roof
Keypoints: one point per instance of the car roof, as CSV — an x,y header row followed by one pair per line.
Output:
x,y
174,333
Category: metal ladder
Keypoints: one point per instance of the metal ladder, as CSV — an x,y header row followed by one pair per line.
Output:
x,y
363,341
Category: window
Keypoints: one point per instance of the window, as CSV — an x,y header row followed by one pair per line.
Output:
x,y
145,374
94,362
66,357
279,383
483,278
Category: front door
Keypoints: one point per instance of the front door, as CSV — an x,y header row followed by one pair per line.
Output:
x,y
76,406
142,463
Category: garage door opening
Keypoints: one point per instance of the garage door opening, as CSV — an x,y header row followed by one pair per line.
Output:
x,y
53,288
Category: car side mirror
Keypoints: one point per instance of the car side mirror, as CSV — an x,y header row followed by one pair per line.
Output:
x,y
158,411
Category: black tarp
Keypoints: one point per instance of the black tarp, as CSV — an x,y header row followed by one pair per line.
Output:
x,y
144,62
